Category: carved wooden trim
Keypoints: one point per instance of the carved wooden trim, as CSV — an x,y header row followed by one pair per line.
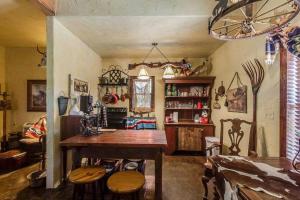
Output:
x,y
283,100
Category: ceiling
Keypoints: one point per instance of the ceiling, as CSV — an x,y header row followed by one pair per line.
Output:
x,y
115,28
132,36
22,24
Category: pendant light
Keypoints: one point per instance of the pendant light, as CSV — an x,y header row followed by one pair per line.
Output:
x,y
143,75
169,72
271,51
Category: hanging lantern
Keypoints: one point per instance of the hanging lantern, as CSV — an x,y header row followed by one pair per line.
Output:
x,y
143,75
169,73
271,51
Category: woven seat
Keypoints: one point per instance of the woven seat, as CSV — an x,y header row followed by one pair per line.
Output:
x,y
126,182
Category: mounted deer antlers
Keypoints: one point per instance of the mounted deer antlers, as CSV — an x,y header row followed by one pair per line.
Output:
x,y
256,74
43,62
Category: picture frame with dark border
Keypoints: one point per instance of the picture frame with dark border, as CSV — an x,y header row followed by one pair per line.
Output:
x,y
36,95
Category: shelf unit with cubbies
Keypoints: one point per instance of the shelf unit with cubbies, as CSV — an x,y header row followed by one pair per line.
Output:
x,y
188,96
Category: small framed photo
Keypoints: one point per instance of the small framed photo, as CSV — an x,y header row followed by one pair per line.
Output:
x,y
36,95
81,86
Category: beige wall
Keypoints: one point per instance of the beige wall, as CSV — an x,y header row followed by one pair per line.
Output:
x,y
66,55
2,83
159,85
20,66
226,61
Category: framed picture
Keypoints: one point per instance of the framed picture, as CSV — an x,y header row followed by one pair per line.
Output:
x,y
81,86
36,96
237,99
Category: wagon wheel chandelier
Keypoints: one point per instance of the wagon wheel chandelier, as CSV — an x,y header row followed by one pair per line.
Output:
x,y
250,18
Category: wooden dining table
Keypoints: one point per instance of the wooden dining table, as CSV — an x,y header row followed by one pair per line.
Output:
x,y
121,144
255,178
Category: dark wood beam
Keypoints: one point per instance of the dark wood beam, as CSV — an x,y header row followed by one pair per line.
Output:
x,y
283,100
47,6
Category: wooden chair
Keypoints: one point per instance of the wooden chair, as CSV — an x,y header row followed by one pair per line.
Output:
x,y
236,134
296,164
126,183
83,176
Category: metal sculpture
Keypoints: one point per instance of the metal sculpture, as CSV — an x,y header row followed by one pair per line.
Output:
x,y
256,74
250,18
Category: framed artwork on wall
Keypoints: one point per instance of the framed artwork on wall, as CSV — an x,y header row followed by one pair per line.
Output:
x,y
237,99
81,86
36,95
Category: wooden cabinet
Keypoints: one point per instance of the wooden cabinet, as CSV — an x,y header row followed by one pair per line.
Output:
x,y
190,139
187,138
69,126
171,134
188,99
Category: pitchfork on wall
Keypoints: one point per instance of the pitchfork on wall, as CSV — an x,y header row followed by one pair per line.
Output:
x,y
256,74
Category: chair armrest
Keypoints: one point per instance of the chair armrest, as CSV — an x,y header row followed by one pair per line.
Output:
x,y
253,154
215,145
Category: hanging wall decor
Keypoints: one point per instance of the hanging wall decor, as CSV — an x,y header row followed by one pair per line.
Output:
x,y
250,18
237,97
36,96
256,74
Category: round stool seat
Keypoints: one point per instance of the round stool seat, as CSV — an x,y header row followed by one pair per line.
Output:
x,y
126,182
85,175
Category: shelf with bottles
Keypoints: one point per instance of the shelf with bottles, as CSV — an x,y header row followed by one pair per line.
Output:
x,y
184,91
187,104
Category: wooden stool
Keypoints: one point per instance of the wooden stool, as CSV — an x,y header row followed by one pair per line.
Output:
x,y
126,182
86,175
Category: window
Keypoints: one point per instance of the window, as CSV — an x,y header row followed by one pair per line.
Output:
x,y
293,106
142,95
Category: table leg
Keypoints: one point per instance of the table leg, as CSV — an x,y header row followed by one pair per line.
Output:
x,y
158,176
64,163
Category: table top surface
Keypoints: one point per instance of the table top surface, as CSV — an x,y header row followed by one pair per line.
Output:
x,y
274,175
120,138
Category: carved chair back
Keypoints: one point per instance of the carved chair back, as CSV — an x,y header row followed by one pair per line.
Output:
x,y
295,163
235,134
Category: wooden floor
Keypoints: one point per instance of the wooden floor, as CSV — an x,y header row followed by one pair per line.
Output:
x,y
181,181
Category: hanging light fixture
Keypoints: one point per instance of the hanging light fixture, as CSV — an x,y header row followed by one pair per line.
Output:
x,y
143,75
169,72
271,50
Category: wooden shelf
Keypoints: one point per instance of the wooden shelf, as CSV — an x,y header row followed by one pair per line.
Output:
x,y
186,97
187,123
112,84
186,109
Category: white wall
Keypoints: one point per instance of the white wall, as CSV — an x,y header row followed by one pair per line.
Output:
x,y
226,61
66,55
159,84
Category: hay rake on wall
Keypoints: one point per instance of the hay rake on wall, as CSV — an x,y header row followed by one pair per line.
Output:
x,y
256,74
